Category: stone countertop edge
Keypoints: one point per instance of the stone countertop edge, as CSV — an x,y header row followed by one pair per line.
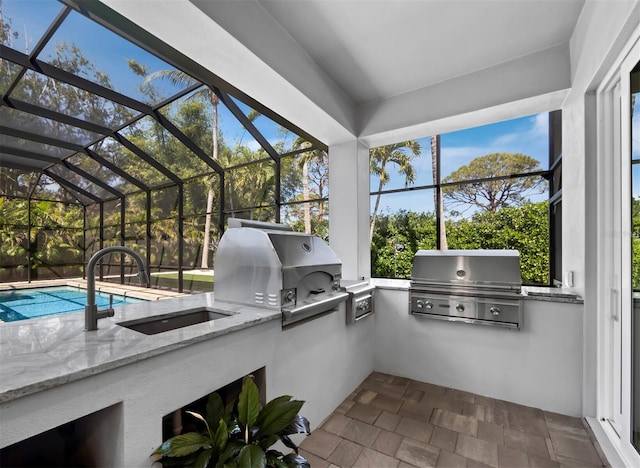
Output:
x,y
544,294
64,352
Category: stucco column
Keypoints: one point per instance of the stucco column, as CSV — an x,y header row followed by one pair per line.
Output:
x,y
349,207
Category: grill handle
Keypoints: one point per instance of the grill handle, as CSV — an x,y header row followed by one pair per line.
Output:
x,y
291,315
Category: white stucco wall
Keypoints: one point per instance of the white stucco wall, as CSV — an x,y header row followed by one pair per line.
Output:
x,y
349,214
539,365
320,362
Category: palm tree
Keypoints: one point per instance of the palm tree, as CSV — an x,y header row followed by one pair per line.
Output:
x,y
305,159
181,79
400,154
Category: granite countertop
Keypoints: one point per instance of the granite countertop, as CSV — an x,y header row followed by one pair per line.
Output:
x,y
539,293
41,353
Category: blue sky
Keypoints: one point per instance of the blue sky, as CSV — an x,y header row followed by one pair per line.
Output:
x,y
107,51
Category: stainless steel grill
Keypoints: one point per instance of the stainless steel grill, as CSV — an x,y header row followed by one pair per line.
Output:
x,y
472,286
268,265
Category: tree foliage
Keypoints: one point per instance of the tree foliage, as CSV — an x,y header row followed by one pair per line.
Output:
x,y
491,195
524,228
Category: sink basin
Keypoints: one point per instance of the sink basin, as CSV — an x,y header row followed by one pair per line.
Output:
x,y
174,320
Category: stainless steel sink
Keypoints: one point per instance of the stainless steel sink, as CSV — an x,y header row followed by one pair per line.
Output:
x,y
174,320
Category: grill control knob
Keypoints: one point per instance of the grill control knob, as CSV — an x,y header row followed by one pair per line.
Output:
x,y
460,307
495,311
289,296
422,304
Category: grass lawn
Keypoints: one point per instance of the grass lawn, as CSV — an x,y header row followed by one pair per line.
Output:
x,y
185,276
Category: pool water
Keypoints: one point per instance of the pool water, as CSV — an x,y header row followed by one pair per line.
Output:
x,y
23,304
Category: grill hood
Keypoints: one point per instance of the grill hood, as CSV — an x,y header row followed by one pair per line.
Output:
x,y
269,265
477,269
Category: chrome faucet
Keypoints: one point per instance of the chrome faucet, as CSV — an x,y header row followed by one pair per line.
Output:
x,y
91,312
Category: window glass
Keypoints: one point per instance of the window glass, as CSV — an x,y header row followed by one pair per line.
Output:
x,y
80,182
22,29
38,125
193,115
16,182
635,185
11,142
310,217
135,207
164,203
48,189
249,186
196,192
401,165
403,223
86,49
101,172
66,99
8,72
281,139
131,163
304,176
478,202
236,145
152,138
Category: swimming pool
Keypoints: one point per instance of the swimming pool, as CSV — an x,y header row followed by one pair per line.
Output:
x,y
23,304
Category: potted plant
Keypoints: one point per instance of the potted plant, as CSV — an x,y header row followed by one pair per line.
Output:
x,y
240,435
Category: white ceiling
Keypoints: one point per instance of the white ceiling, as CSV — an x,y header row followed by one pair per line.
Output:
x,y
376,49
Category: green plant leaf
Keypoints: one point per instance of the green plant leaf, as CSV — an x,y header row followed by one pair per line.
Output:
x,y
248,403
214,411
203,459
280,416
221,436
286,440
299,425
269,407
296,461
268,441
182,445
252,456
274,459
180,462
231,451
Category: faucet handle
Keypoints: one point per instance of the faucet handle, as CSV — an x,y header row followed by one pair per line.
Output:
x,y
109,312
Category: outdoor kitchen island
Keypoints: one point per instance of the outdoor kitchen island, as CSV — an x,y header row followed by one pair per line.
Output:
x,y
117,384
